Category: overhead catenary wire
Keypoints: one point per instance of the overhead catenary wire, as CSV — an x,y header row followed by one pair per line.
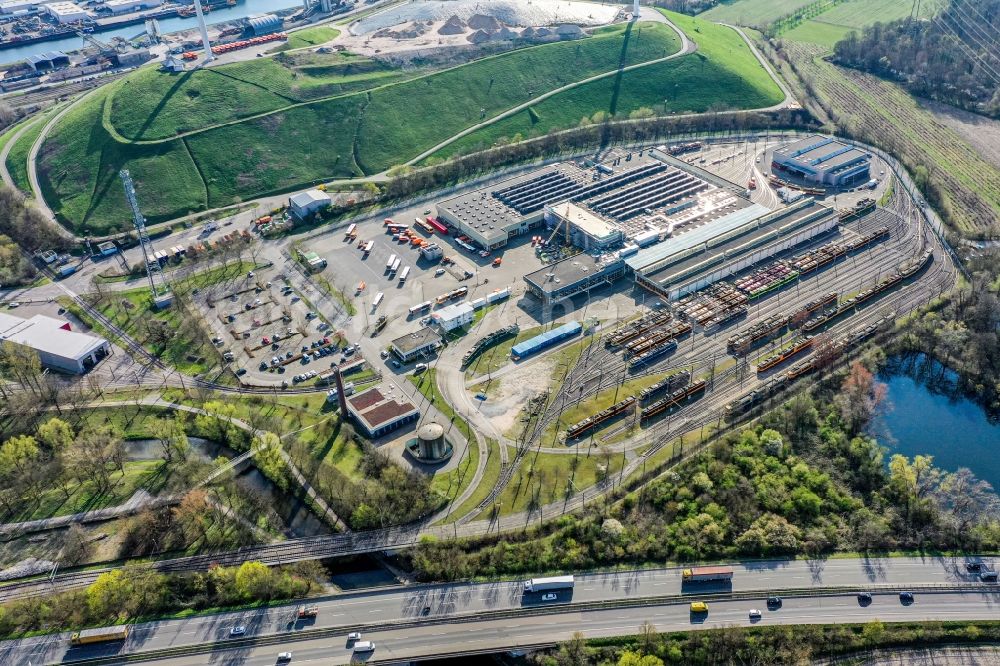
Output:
x,y
984,66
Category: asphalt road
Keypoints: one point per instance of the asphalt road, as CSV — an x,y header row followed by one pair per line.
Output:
x,y
510,633
448,601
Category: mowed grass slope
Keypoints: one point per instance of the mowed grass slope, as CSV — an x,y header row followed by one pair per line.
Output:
x,y
233,148
457,98
751,12
155,105
723,58
78,169
17,156
279,151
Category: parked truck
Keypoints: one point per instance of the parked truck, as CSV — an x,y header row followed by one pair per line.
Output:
x,y
551,583
707,574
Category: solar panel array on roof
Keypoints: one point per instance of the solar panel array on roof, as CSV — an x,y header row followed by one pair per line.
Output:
x,y
649,195
532,196
555,186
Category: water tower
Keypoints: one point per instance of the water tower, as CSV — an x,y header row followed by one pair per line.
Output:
x,y
430,446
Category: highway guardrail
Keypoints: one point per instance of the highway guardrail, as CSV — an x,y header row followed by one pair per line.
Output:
x,y
521,611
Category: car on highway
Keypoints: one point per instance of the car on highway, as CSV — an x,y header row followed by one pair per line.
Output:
x,y
906,598
284,657
354,636
551,596
755,614
699,607
973,567
238,630
864,598
774,602
364,646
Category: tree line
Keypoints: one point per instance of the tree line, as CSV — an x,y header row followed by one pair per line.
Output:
x,y
962,332
763,645
26,225
807,479
62,465
948,59
482,159
137,591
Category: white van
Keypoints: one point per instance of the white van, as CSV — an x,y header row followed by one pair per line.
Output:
x,y
364,646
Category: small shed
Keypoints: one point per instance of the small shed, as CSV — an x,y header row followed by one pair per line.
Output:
x,y
304,204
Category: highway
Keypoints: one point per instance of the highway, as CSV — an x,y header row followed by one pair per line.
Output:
x,y
495,635
519,621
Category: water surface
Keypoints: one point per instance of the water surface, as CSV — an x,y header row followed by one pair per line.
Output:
x,y
926,414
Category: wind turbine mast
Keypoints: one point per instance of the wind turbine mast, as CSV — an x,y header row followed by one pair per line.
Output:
x,y
209,56
162,298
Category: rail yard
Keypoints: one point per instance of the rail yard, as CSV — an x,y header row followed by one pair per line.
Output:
x,y
726,350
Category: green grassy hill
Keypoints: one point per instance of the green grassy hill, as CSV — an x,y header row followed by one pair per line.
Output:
x,y
737,81
213,137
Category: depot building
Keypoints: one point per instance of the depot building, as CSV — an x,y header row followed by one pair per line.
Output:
x,y
58,346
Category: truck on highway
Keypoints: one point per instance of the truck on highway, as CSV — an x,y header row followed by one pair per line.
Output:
x,y
550,583
308,611
707,574
100,635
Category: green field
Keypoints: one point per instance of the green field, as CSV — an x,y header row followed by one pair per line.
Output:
x,y
543,478
756,13
314,36
738,81
835,24
152,105
219,136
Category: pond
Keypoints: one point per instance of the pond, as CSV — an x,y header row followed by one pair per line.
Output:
x,y
925,413
298,518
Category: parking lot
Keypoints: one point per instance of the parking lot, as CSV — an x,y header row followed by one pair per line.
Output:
x,y
348,266
268,331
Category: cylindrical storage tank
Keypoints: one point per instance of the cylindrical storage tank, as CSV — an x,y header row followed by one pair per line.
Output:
x,y
430,440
